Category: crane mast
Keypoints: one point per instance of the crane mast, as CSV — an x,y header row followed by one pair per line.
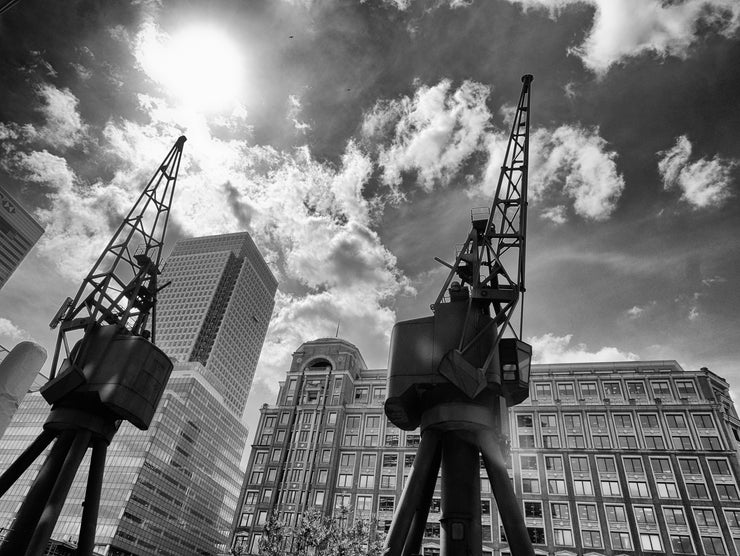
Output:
x,y
113,372
454,374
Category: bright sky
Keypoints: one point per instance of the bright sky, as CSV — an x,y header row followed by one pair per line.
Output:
x,y
352,138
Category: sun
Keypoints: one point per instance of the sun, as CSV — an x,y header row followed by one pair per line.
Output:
x,y
200,65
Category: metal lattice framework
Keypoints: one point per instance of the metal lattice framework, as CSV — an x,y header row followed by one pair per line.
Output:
x,y
121,288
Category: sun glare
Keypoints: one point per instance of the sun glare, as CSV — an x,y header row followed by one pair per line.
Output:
x,y
199,65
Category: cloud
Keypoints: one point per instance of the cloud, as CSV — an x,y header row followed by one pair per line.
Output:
x,y
294,112
704,183
624,29
11,333
431,134
63,126
555,214
550,348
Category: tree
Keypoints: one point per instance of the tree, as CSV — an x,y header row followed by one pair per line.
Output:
x,y
273,537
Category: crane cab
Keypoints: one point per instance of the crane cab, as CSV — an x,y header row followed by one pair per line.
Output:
x,y
515,358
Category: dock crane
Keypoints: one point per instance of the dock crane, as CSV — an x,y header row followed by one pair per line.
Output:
x,y
114,372
454,374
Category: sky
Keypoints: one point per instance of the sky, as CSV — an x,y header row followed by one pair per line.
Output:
x,y
351,139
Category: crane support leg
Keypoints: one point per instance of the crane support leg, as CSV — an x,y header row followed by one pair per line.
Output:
x,y
24,461
419,523
92,498
461,509
503,492
424,470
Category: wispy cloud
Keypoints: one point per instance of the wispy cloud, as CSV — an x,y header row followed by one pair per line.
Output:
x,y
550,348
10,334
703,183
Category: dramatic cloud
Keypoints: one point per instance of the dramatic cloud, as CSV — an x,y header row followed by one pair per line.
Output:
x,y
550,348
10,334
704,183
431,134
624,29
63,126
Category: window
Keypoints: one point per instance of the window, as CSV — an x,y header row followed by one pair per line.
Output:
x,y
575,441
638,489
719,467
583,487
713,545
526,441
262,517
361,395
627,441
587,512
246,520
256,477
387,481
705,517
342,500
623,421
710,443
667,490
318,499
697,491
633,465
325,456
548,422
275,455
368,460
370,440
346,460
610,488
676,421
390,460
560,510
636,389
703,421
543,391
612,390
280,436
266,495
412,439
485,507
620,540
323,474
654,442
588,390
386,503
681,544
524,421
364,503
532,509
550,441
674,516
351,439
250,497
733,518
284,418
572,422
727,492
352,422
685,388
661,389
591,539
565,390
378,394
579,463
606,464
329,437
690,466
392,439
650,541
528,462
556,486
344,480
615,514
563,537
331,418
553,463
530,486
536,535
682,443
372,422
597,421
644,515
367,481
649,421
408,460
601,441
660,465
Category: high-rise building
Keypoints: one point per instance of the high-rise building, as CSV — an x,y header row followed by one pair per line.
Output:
x,y
173,489
606,458
18,234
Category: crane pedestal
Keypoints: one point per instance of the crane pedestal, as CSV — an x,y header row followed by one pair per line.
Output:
x,y
73,431
454,436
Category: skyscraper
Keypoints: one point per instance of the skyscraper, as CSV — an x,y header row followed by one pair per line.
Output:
x,y
173,489
18,234
605,458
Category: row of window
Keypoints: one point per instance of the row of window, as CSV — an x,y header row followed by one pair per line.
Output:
x,y
613,389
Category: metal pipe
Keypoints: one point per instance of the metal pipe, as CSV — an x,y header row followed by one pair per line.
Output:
x,y
91,505
508,505
24,461
58,496
427,454
28,515
418,524
461,514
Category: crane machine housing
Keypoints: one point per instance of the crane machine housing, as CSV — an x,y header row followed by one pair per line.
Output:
x,y
455,373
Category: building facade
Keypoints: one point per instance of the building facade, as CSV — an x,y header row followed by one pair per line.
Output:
x,y
173,489
19,232
606,458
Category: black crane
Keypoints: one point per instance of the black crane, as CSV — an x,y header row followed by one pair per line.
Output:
x,y
113,372
454,374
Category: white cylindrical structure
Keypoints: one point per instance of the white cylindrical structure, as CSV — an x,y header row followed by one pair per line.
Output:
x,y
17,372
